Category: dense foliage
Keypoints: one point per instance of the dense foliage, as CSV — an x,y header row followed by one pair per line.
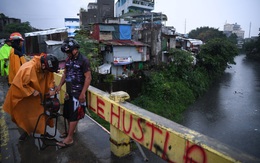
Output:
x,y
252,48
167,93
89,48
216,55
206,33
172,87
22,28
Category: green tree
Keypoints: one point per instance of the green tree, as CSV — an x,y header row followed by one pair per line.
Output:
x,y
166,89
216,55
181,64
90,48
15,27
233,38
206,33
183,68
18,27
252,48
169,90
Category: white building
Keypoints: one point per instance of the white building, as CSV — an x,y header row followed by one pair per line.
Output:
x,y
72,24
124,6
122,56
234,28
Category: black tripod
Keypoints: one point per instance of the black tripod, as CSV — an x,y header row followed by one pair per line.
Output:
x,y
51,107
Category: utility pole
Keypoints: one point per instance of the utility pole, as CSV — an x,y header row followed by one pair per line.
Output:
x,y
185,26
153,47
249,30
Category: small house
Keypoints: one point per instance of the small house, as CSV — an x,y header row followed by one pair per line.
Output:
x,y
192,45
35,42
102,31
123,57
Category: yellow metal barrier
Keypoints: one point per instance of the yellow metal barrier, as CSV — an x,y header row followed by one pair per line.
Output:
x,y
57,78
167,139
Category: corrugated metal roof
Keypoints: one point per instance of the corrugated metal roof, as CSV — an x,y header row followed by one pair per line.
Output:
x,y
46,32
53,42
123,43
195,41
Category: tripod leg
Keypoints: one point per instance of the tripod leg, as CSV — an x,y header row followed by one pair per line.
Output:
x,y
141,150
56,124
65,125
36,125
88,113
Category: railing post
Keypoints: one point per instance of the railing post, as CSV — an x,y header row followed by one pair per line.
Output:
x,y
119,141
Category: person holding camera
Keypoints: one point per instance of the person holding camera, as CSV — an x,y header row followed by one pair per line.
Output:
x,y
23,100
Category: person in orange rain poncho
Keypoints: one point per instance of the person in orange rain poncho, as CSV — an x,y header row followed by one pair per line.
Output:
x,y
23,101
16,57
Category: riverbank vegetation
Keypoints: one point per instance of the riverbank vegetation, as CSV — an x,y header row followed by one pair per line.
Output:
x,y
252,48
170,88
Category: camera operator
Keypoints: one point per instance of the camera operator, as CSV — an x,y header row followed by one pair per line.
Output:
x,y
23,100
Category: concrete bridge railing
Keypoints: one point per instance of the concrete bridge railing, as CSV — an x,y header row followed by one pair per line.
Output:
x,y
167,139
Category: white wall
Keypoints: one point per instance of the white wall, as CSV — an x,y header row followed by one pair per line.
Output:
x,y
124,51
130,51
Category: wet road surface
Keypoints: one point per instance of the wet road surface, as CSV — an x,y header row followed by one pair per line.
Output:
x,y
91,143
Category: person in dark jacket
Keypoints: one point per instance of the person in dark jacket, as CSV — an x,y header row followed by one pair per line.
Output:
x,y
77,76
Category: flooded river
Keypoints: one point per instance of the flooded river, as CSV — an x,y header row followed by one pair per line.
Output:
x,y
230,110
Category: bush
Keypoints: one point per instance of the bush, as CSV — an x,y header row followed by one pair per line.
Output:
x,y
171,88
216,55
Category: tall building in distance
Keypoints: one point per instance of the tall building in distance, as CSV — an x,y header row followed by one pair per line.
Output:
x,y
234,28
97,12
125,6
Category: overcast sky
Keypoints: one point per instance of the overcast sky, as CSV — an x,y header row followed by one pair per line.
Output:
x,y
184,15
